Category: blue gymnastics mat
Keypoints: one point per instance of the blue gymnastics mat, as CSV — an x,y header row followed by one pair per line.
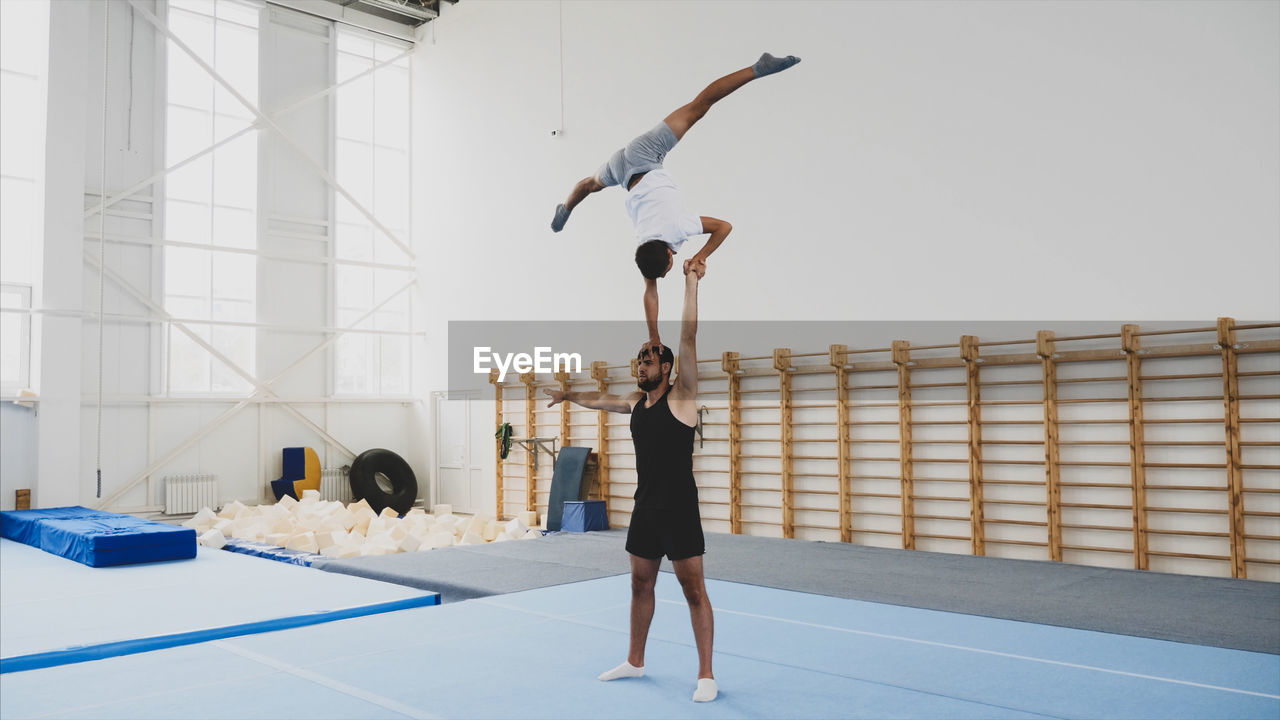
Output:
x,y
97,538
54,612
535,654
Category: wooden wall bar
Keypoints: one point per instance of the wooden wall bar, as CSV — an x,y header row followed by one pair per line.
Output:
x,y
1052,471
902,359
969,351
1130,344
497,450
1167,432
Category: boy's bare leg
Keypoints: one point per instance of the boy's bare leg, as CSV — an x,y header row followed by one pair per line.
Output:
x,y
585,187
685,116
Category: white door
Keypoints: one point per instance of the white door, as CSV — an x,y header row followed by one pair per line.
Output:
x,y
463,441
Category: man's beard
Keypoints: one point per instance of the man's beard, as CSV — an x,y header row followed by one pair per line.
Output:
x,y
651,384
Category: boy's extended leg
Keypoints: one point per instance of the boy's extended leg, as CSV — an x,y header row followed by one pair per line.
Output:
x,y
684,117
585,187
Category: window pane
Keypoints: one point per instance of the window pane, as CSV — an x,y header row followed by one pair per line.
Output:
x,y
351,358
386,283
355,171
354,42
354,242
188,363
189,308
235,173
354,288
187,133
354,109
186,273
391,113
235,228
196,32
18,235
234,279
243,13
237,65
394,365
237,345
391,189
384,51
186,222
190,182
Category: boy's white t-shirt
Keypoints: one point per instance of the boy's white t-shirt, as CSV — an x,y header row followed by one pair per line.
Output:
x,y
657,212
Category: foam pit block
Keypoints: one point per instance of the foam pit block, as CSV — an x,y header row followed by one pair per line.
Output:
x,y
96,538
584,516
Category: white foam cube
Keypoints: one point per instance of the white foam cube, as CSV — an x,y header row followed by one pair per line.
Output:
x,y
441,510
282,525
529,518
476,525
376,526
471,538
490,531
311,496
369,549
204,517
531,535
329,538
278,539
516,527
410,544
213,539
389,513
440,540
231,509
303,542
416,512
503,538
287,502
399,531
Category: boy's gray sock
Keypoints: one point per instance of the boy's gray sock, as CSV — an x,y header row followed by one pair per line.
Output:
x,y
768,64
562,217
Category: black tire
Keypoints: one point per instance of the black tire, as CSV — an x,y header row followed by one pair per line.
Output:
x,y
364,481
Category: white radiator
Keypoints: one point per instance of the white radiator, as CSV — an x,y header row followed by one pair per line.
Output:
x,y
188,493
335,486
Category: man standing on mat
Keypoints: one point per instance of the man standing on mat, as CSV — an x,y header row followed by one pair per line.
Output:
x,y
653,201
665,519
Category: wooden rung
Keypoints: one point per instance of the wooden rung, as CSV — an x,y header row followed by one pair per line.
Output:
x,y
1196,556
1196,376
1109,528
1263,561
1184,398
1031,543
1091,548
1063,381
1036,483
1080,401
1199,511
1255,420
816,527
1033,523
1208,466
1196,533
1098,506
1034,503
962,538
876,532
1125,486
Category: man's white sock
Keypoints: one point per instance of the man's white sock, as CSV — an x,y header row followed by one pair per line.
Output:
x,y
625,670
706,691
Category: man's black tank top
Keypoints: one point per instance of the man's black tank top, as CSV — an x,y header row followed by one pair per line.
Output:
x,y
664,457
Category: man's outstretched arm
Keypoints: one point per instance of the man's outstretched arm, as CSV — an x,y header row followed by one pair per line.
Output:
x,y
719,230
595,400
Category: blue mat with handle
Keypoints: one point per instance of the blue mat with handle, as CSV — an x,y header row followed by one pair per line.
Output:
x,y
97,538
566,483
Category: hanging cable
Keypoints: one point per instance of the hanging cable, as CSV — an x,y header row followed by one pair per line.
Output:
x,y
102,226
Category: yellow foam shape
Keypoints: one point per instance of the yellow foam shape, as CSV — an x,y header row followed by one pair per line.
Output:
x,y
311,464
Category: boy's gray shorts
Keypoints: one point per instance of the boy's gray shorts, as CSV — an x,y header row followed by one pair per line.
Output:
x,y
641,155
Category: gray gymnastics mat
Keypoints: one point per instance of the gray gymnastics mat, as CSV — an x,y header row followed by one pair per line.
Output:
x,y
1221,612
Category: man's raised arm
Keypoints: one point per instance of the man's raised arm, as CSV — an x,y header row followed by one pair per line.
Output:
x,y
687,362
595,400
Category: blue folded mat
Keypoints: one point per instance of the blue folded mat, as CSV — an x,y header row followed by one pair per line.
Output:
x,y
97,538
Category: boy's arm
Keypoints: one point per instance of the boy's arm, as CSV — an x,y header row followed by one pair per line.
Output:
x,y
719,230
595,400
651,310
686,387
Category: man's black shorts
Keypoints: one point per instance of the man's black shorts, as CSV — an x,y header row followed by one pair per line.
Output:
x,y
674,533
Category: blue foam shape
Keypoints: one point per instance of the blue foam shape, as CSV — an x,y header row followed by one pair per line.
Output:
x,y
295,464
584,516
97,538
86,653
